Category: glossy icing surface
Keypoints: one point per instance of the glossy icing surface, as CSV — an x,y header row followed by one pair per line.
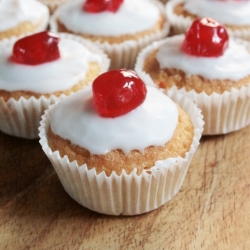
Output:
x,y
57,75
13,12
234,64
152,123
130,18
227,12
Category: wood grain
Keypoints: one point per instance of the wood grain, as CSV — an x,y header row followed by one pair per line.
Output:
x,y
211,211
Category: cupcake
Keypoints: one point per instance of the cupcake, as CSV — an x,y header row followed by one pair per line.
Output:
x,y
119,27
234,15
209,67
22,17
123,147
38,69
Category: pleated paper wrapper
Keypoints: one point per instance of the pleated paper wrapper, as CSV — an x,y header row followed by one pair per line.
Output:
x,y
223,113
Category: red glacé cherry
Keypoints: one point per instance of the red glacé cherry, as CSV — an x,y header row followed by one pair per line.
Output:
x,y
118,92
205,37
36,49
95,6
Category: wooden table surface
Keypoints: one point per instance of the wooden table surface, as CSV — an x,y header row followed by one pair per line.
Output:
x,y
211,211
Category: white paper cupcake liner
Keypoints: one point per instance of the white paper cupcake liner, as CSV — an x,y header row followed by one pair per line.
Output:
x,y
21,117
180,24
223,113
123,55
125,194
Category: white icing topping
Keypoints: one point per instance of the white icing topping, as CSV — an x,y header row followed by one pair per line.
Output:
x,y
132,16
152,123
227,12
50,77
234,64
13,12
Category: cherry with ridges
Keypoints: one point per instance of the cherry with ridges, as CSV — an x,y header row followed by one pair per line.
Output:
x,y
205,37
96,6
36,49
118,92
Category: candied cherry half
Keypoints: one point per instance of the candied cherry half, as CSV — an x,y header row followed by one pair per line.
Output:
x,y
96,6
36,49
118,92
205,37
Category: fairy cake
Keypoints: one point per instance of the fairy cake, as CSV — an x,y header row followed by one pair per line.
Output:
x,y
36,70
117,132
233,14
210,67
119,27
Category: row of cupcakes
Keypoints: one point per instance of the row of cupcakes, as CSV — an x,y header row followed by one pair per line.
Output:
x,y
122,163
120,27
128,161
122,147
194,69
16,16
126,26
126,188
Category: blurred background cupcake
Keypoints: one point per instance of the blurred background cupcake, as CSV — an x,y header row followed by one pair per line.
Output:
x,y
119,27
120,146
234,15
209,67
38,69
22,17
